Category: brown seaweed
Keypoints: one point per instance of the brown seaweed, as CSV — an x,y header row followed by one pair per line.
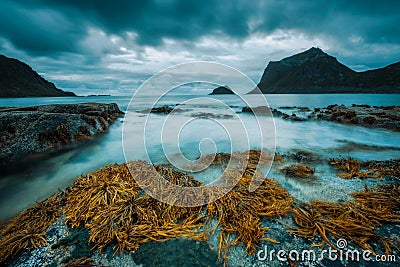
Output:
x,y
354,220
357,169
298,171
111,204
28,229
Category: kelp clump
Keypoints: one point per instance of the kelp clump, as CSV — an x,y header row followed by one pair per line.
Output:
x,y
354,220
370,169
28,229
239,212
119,213
298,171
110,203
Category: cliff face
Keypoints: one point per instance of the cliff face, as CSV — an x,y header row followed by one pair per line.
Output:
x,y
17,79
314,71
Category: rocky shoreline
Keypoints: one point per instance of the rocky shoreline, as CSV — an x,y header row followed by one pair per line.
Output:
x,y
106,210
29,131
384,117
69,241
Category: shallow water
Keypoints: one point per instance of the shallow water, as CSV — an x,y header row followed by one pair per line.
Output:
x,y
26,184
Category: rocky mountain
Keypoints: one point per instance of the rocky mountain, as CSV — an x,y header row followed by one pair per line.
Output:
x,y
222,90
314,71
17,79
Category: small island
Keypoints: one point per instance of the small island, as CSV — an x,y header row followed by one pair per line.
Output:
x,y
222,90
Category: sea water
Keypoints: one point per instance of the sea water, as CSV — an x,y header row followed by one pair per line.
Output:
x,y
22,185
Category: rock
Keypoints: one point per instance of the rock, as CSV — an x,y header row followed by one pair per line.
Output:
x,y
362,115
261,110
207,115
222,90
266,111
17,79
28,131
162,110
314,71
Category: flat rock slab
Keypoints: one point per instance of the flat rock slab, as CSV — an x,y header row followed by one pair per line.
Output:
x,y
28,131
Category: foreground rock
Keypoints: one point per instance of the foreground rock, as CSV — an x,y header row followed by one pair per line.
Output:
x,y
106,219
28,131
387,117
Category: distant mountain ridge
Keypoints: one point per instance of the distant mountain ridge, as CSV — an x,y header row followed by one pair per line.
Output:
x,y
17,79
314,71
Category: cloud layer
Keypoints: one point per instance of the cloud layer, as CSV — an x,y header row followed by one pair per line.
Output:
x,y
91,46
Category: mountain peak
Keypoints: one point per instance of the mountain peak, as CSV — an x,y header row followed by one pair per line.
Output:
x,y
314,71
315,50
312,54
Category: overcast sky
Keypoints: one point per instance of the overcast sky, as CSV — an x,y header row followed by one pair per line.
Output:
x,y
112,46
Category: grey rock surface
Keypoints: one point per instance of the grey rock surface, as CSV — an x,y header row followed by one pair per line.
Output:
x,y
29,131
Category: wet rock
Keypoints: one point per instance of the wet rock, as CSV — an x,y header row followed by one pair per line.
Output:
x,y
29,131
171,253
208,115
262,110
266,111
79,238
162,110
303,156
363,115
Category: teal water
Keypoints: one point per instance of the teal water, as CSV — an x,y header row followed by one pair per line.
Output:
x,y
23,185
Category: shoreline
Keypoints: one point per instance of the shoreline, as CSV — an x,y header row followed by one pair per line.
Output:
x,y
303,175
279,224
375,117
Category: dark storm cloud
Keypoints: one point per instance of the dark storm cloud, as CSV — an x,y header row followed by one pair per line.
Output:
x,y
63,38
40,30
67,21
154,20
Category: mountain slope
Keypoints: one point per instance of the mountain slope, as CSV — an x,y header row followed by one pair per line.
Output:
x,y
17,79
314,71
